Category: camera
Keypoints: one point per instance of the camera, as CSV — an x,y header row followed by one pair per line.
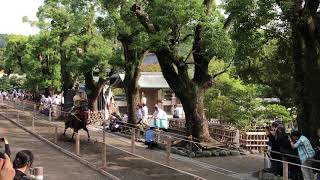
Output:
x,y
2,139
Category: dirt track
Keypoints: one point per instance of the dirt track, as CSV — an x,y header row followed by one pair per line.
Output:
x,y
120,164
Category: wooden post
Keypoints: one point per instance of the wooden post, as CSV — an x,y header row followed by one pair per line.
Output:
x,y
104,148
33,116
168,149
56,134
133,139
285,171
23,105
50,114
78,144
7,112
18,117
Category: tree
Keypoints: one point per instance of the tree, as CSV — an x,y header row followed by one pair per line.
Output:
x,y
263,47
41,62
64,18
197,25
14,52
89,55
120,22
300,20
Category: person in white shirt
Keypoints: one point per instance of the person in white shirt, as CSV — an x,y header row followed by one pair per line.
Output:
x,y
160,118
176,112
139,113
144,112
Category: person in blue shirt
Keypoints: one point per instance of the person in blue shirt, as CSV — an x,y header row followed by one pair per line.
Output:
x,y
150,137
305,151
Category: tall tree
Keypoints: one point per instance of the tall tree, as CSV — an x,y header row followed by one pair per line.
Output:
x,y
300,20
173,24
89,54
14,52
121,22
42,62
64,18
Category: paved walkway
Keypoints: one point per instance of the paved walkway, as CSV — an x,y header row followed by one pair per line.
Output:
x,y
56,164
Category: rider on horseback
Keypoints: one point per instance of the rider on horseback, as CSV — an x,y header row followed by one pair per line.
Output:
x,y
79,101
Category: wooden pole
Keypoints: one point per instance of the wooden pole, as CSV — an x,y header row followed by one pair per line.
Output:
x,y
50,114
33,116
104,147
78,144
133,139
285,171
23,105
168,149
18,116
7,112
56,134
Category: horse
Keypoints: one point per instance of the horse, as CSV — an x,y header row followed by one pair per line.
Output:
x,y
76,122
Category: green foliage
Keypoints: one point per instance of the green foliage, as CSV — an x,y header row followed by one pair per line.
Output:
x,y
233,101
41,62
88,53
7,83
16,45
263,46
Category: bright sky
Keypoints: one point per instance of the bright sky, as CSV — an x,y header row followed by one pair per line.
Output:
x,y
11,13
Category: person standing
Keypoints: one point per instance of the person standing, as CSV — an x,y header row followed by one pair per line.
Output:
x,y
305,151
317,155
22,162
160,118
176,112
144,112
139,113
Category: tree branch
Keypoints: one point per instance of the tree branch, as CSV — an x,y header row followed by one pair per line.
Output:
x,y
229,22
143,18
223,71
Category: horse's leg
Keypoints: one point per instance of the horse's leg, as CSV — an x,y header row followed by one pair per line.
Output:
x,y
86,129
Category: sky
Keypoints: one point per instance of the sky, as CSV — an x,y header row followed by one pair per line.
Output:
x,y
11,13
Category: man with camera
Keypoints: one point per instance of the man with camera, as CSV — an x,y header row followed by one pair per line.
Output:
x,y
4,141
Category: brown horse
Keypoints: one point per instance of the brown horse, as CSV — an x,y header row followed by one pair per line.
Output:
x,y
76,122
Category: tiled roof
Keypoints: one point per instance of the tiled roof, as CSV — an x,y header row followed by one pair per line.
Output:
x,y
147,80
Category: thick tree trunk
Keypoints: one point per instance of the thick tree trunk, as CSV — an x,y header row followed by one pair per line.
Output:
x,y
196,123
67,82
94,89
307,75
132,102
190,94
133,59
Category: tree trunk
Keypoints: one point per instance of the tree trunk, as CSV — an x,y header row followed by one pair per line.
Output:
x,y
196,123
133,61
307,75
67,82
132,102
190,94
94,89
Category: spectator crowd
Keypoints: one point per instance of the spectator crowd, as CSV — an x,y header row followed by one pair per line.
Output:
x,y
294,148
